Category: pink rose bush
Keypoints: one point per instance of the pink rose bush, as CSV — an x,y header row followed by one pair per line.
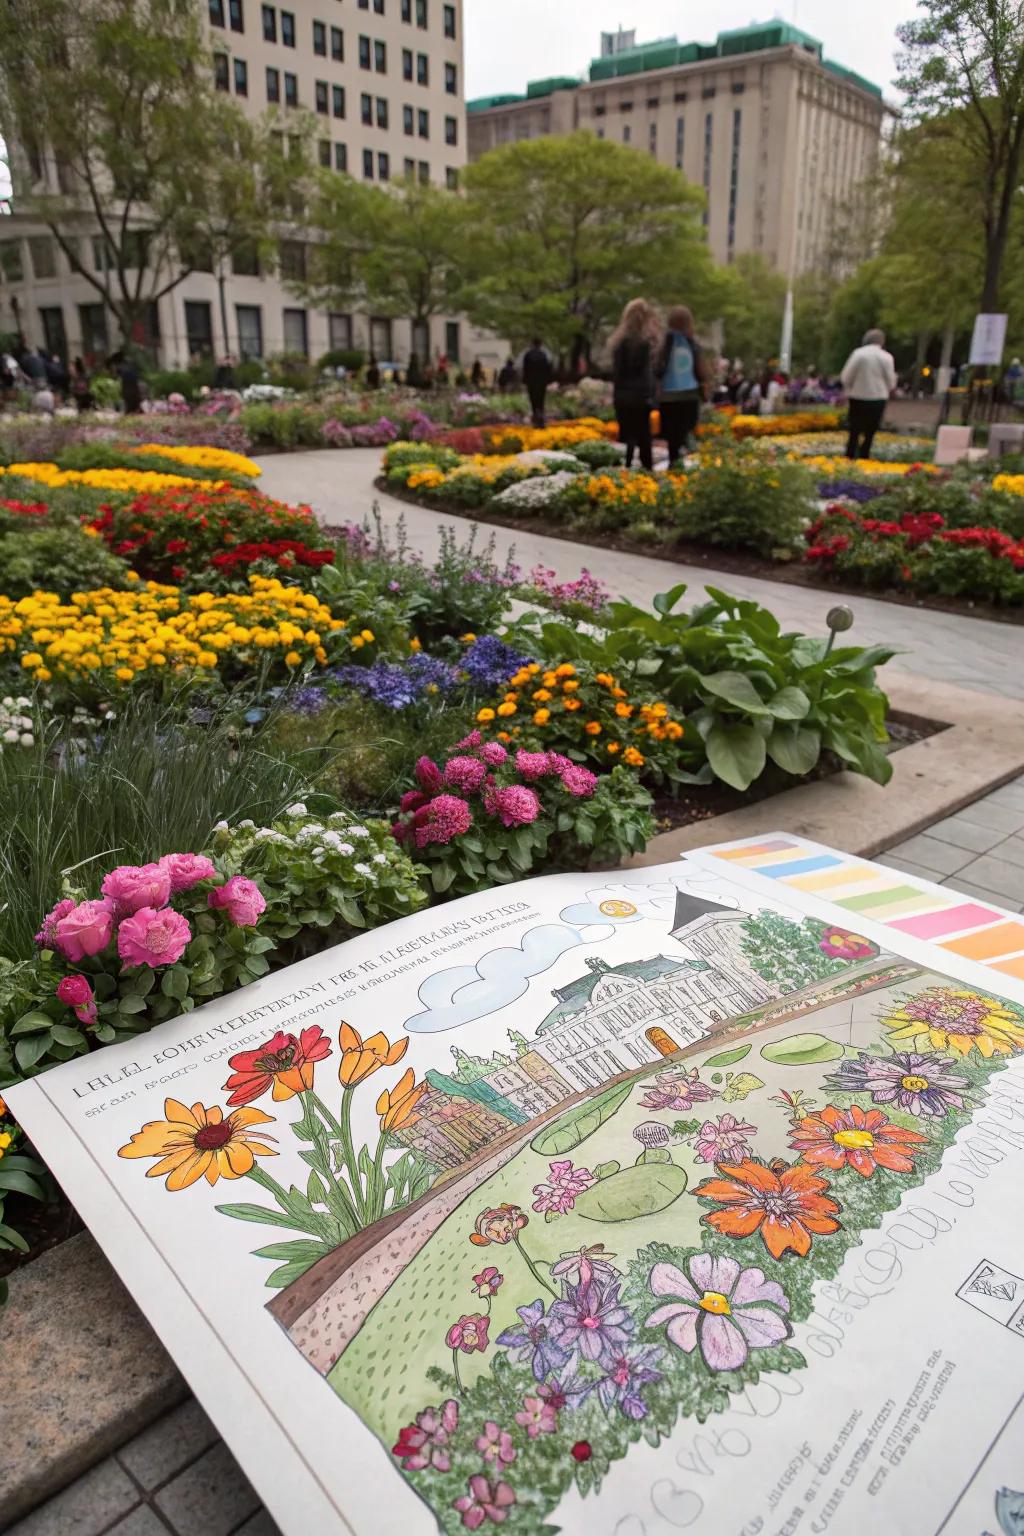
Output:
x,y
488,814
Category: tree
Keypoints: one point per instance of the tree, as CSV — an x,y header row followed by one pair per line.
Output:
x,y
787,954
749,297
562,232
963,75
108,104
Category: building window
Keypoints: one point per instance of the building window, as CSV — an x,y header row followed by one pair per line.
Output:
x,y
451,130
321,96
245,260
288,29
368,164
452,340
380,58
221,72
364,5
92,322
708,93
407,10
419,332
408,168
249,324
338,100
235,16
706,178
627,134
44,256
652,138
269,24
451,179
198,328
380,339
340,157
451,80
424,172
421,14
680,97
339,332
382,112
296,337
422,69
241,78
292,255
680,141
337,45
653,103
738,88
423,123
56,341
378,6
734,177
291,90
383,166
600,133
408,121
449,20
325,151
600,111
366,109
216,20
364,53
273,84
406,64
320,39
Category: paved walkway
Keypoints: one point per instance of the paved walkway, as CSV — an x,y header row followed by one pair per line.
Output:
x,y
970,653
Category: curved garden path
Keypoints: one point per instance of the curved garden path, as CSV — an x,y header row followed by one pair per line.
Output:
x,y
969,653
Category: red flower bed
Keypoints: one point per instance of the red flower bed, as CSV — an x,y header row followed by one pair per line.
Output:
x,y
287,553
24,508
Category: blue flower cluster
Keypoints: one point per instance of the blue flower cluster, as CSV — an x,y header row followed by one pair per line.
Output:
x,y
489,662
398,684
849,490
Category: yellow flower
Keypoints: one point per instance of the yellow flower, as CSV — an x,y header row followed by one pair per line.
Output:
x,y
541,695
468,637
571,704
549,680
32,659
397,1107
506,709
42,674
623,711
673,730
605,679
541,716
124,674
414,644
613,747
207,658
565,670
634,758
199,1143
367,635
483,715
593,728
570,686
956,1019
203,457
619,693
361,1058
292,659
358,642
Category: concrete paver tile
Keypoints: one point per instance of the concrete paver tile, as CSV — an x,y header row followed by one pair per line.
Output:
x,y
141,1522
85,1508
980,887
929,853
964,833
168,1445
212,1495
260,1525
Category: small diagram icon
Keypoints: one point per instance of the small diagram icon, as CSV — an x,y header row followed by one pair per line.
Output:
x,y
997,1292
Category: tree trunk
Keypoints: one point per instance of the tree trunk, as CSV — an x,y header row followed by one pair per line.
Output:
x,y
923,338
946,361
221,280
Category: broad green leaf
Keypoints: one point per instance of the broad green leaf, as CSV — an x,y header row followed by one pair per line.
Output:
x,y
65,1034
30,1050
796,748
664,602
633,1192
572,1128
736,753
263,1216
726,1058
790,704
31,1023
735,688
802,1050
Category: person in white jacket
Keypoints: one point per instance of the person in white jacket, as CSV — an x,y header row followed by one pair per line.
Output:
x,y
868,379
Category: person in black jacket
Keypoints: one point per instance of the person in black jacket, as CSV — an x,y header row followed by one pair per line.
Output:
x,y
634,345
537,373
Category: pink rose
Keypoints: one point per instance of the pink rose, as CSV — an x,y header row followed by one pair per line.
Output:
x,y
187,869
76,992
85,930
132,886
46,937
241,899
153,938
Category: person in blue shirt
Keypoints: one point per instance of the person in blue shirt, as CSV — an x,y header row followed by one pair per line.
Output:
x,y
680,374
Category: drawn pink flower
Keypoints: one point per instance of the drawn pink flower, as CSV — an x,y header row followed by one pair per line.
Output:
x,y
484,1501
537,1416
76,992
85,930
153,938
678,1089
469,1333
187,869
495,1445
724,1309
425,1443
132,886
564,1183
487,1282
723,1140
241,899
516,805
466,774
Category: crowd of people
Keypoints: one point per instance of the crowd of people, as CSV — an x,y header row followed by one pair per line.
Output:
x,y
51,381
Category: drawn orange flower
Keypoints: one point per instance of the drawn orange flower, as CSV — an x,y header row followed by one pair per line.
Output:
x,y
282,1061
864,1140
501,1224
786,1207
196,1143
397,1107
361,1058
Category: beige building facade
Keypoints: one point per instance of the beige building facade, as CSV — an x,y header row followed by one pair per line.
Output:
x,y
383,80
775,134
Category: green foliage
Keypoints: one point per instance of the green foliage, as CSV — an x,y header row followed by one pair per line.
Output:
x,y
749,297
20,1175
598,454
58,559
572,1128
785,953
740,498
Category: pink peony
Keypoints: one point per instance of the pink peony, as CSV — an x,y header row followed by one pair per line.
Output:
x,y
85,930
444,818
517,806
241,899
187,869
428,775
77,993
464,774
579,781
46,938
132,886
153,938
533,765
493,753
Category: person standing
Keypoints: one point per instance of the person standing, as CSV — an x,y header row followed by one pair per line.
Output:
x,y
868,378
680,372
536,377
633,346
81,393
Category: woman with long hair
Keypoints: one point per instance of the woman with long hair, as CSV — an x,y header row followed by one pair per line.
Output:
x,y
634,345
680,371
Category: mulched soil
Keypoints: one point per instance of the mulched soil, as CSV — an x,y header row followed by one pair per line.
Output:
x,y
42,1227
727,561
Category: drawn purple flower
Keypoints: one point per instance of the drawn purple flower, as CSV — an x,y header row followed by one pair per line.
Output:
x,y
723,1140
564,1183
538,1416
584,1265
534,1342
425,1443
591,1321
495,1445
484,1501
723,1308
678,1089
627,1375
927,1085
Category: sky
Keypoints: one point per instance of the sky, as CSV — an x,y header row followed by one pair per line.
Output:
x,y
508,42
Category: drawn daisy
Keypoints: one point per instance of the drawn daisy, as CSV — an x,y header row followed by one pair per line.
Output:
x,y
199,1143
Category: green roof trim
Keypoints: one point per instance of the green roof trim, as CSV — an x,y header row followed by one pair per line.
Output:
x,y
485,103
572,998
852,78
549,86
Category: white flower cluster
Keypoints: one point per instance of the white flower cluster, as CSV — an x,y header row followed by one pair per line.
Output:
x,y
534,495
17,727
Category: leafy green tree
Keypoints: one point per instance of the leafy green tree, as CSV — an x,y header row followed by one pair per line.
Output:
x,y
787,954
962,72
107,107
562,232
749,297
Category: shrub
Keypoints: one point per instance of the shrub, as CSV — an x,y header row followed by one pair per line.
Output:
x,y
598,454
742,498
343,357
60,559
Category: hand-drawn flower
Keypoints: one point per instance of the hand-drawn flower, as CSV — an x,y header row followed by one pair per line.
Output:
x,y
538,1416
786,1207
425,1443
724,1309
677,1089
361,1058
956,1019
469,1334
500,1224
486,1283
397,1106
864,1140
485,1500
924,1085
627,1374
532,1341
584,1265
840,944
723,1140
565,1183
283,1062
591,1321
195,1143
495,1445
